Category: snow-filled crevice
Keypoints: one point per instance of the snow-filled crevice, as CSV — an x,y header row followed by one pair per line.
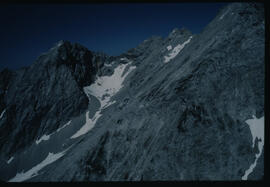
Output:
x,y
257,131
176,50
103,89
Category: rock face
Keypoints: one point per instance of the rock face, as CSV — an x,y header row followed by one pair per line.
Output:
x,y
179,115
40,98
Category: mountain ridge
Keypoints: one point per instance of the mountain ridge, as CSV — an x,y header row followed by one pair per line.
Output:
x,y
172,108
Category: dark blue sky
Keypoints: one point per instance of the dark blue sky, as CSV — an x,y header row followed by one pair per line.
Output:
x,y
28,30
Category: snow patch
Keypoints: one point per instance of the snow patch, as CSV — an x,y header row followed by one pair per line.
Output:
x,y
43,138
10,160
22,176
107,65
107,86
257,130
169,47
176,50
3,112
125,59
103,89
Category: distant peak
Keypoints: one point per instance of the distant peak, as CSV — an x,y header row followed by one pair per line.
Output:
x,y
62,42
177,31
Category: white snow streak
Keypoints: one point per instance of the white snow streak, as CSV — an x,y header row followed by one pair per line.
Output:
x,y
257,130
107,65
3,112
125,59
10,160
43,138
169,47
22,176
175,51
103,89
67,124
222,16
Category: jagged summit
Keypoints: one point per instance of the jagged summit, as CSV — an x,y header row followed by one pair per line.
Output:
x,y
65,52
67,45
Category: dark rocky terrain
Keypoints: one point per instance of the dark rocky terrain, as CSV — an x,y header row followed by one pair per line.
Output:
x,y
179,114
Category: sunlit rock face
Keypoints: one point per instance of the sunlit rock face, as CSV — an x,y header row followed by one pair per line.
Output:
x,y
184,107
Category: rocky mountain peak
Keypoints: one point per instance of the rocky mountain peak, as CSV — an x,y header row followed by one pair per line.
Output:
x,y
176,108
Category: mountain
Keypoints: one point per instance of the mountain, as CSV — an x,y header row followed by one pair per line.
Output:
x,y
184,107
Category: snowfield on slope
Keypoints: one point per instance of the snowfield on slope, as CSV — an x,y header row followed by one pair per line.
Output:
x,y
22,176
176,50
103,89
257,130
107,86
